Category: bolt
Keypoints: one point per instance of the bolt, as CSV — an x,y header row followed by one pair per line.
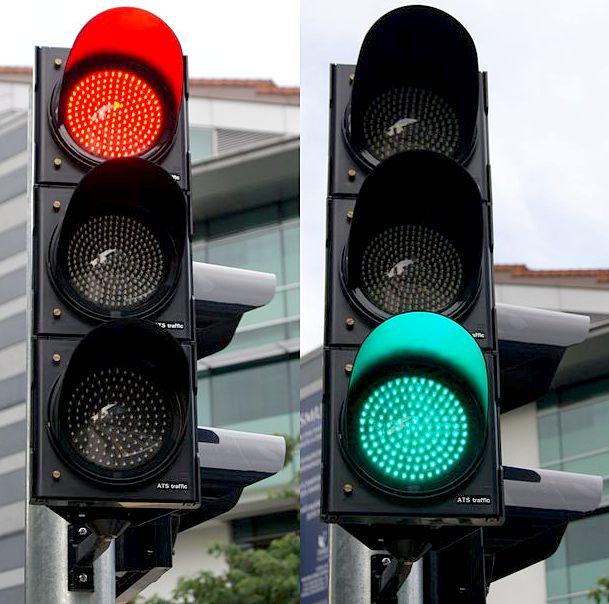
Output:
x,y
57,62
82,578
350,215
56,358
56,205
347,489
351,173
57,312
56,474
386,561
351,77
57,163
348,368
349,322
82,531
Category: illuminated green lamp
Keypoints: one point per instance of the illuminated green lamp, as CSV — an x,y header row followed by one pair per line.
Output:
x,y
416,412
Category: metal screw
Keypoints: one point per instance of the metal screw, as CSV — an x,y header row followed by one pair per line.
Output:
x,y
57,163
56,357
82,531
82,578
349,322
57,62
57,312
350,215
347,488
351,173
348,368
56,205
386,561
56,474
351,77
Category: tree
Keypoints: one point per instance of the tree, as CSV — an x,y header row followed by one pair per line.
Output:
x,y
255,576
601,593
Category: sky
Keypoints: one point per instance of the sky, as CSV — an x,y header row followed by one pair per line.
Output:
x,y
223,38
548,66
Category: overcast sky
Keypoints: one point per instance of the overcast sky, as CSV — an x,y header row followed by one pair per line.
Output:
x,y
223,38
548,64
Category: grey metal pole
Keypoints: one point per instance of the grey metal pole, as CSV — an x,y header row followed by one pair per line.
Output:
x,y
412,590
46,568
349,577
350,572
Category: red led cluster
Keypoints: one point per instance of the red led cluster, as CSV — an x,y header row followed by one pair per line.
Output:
x,y
113,113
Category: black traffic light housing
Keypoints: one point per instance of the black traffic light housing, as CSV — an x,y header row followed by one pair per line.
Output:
x,y
113,330
409,228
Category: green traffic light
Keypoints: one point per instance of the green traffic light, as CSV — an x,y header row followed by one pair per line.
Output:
x,y
418,402
413,429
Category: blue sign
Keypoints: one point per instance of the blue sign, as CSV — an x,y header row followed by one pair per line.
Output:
x,y
313,532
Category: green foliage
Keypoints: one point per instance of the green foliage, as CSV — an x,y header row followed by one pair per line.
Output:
x,y
254,576
601,593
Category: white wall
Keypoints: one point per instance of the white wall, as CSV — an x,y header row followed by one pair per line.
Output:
x,y
243,115
569,299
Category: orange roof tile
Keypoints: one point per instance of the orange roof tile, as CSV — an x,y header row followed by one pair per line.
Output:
x,y
521,270
260,86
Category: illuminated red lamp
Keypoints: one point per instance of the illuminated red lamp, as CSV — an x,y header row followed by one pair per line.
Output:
x,y
122,87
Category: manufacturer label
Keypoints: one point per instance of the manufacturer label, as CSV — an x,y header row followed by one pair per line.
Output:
x,y
172,486
478,335
170,324
176,177
474,499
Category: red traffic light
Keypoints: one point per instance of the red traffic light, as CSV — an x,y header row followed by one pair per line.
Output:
x,y
121,94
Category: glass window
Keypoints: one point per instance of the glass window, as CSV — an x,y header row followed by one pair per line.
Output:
x,y
291,252
228,399
584,427
202,143
260,251
263,239
573,437
549,438
293,302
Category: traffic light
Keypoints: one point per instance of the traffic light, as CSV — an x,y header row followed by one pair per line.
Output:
x,y
410,430
113,332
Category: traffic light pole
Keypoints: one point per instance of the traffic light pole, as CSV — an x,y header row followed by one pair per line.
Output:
x,y
350,564
46,578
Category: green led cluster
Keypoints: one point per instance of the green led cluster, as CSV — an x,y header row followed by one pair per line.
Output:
x,y
412,430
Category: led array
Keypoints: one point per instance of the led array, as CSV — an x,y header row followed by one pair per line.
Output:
x,y
115,261
114,113
412,430
402,119
411,267
117,419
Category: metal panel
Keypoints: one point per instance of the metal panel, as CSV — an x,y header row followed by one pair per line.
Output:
x,y
14,141
12,285
12,241
12,440
12,330
13,487
12,552
13,184
12,391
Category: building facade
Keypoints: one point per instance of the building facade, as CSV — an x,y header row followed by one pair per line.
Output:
x,y
245,166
